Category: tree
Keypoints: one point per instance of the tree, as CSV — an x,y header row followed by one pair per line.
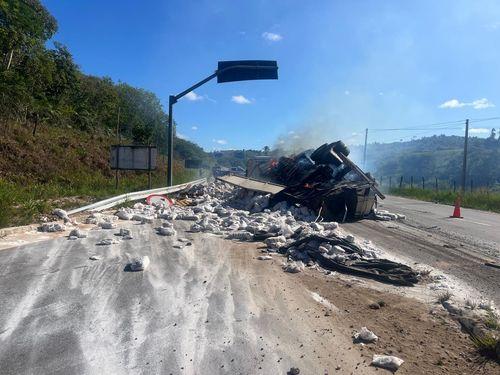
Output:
x,y
23,25
492,134
266,150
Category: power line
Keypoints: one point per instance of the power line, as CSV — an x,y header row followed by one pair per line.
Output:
x,y
440,128
485,119
423,126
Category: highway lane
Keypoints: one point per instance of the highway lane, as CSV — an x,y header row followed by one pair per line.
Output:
x,y
210,308
458,247
480,226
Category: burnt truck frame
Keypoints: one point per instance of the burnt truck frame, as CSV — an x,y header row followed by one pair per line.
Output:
x,y
330,183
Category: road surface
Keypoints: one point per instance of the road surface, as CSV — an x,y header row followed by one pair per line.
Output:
x,y
459,247
480,226
210,308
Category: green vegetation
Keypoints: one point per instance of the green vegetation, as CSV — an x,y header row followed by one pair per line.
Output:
x,y
57,123
492,321
481,199
487,346
434,157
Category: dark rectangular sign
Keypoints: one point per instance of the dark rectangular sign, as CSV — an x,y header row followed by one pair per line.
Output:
x,y
244,70
134,157
193,163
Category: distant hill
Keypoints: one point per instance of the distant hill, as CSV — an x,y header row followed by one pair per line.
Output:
x,y
437,156
234,158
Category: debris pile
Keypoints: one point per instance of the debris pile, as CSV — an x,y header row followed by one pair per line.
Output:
x,y
290,229
324,179
139,264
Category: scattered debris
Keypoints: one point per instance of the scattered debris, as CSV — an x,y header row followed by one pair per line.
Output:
x,y
388,362
94,257
107,242
166,231
294,371
374,306
365,335
52,227
293,267
62,215
286,226
139,264
107,225
77,233
264,257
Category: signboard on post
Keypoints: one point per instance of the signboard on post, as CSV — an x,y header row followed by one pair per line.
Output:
x,y
193,163
133,157
246,70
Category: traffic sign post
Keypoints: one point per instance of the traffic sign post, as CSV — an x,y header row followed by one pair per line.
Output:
x,y
227,71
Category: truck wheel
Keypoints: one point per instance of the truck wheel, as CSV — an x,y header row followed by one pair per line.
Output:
x,y
341,147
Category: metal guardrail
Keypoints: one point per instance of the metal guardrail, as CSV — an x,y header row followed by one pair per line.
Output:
x,y
113,201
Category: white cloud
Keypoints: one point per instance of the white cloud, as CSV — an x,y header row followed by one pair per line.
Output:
x,y
453,103
479,131
482,104
240,99
182,136
291,132
219,141
272,37
476,104
192,96
194,127
347,92
296,136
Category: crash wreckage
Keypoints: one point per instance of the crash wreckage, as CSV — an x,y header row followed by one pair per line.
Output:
x,y
244,215
296,219
325,180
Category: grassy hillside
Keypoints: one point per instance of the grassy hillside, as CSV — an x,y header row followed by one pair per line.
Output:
x,y
57,123
64,168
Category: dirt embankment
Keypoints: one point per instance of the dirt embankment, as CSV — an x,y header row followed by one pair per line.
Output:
x,y
428,340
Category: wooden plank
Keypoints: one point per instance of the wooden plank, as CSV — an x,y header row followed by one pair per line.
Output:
x,y
254,185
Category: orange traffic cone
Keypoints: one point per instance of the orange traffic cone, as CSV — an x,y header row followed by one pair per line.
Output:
x,y
456,211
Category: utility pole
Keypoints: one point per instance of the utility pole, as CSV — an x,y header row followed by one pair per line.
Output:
x,y
364,152
464,165
170,141
118,139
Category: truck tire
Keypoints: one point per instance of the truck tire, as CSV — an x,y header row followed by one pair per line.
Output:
x,y
341,147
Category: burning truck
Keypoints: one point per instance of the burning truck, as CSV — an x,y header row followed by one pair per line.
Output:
x,y
324,179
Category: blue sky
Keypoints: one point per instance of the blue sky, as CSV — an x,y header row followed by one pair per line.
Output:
x,y
343,65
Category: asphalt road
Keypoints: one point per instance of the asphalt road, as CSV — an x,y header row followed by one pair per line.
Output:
x,y
458,247
478,225
210,308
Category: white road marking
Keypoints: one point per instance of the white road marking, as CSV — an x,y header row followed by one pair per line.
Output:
x,y
477,222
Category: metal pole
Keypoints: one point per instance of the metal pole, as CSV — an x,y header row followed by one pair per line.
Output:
x,y
364,152
149,167
118,139
464,165
423,183
170,141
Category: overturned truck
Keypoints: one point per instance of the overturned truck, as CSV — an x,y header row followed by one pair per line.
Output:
x,y
324,179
